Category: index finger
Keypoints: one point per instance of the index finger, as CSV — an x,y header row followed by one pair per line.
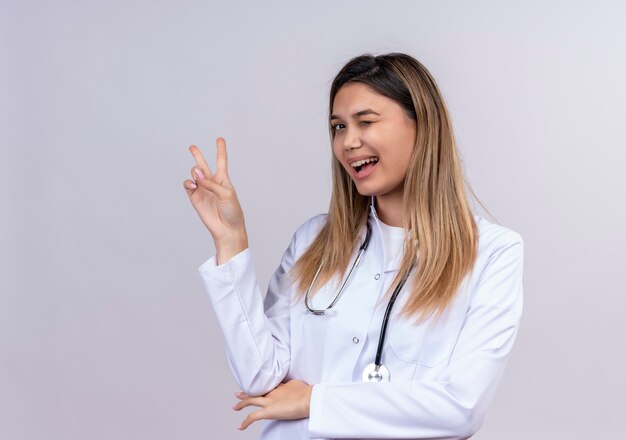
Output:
x,y
197,154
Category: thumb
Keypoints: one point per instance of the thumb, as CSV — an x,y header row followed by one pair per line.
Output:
x,y
190,187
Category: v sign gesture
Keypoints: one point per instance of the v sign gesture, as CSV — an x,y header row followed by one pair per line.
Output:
x,y
215,200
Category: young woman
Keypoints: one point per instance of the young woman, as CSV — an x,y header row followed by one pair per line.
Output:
x,y
393,315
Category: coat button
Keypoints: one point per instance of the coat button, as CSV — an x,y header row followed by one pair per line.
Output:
x,y
377,276
355,340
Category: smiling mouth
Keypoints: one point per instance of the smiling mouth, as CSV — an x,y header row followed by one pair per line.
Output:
x,y
365,164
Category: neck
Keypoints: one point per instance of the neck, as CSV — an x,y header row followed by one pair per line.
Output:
x,y
389,209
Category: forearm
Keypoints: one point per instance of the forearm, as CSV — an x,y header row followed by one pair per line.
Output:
x,y
453,406
393,410
257,348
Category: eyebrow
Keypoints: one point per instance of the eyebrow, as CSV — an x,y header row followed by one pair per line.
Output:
x,y
367,111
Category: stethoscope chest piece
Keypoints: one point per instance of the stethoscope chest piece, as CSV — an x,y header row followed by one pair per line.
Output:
x,y
376,373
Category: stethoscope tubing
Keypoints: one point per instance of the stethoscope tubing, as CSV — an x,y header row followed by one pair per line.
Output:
x,y
343,285
383,332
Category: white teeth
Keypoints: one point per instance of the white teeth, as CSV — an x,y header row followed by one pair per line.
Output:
x,y
358,163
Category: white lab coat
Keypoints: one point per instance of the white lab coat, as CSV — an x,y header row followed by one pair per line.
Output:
x,y
443,374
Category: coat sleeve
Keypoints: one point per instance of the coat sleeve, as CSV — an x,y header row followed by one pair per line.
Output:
x,y
256,330
454,405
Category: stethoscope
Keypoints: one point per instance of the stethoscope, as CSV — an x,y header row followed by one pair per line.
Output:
x,y
375,372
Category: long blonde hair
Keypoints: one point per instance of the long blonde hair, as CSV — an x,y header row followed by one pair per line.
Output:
x,y
435,205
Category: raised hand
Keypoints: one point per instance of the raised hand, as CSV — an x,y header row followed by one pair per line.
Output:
x,y
215,200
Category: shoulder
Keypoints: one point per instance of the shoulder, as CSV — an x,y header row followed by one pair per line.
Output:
x,y
307,231
498,246
497,277
312,225
493,236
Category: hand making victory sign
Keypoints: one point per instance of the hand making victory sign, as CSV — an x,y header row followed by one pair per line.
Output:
x,y
214,198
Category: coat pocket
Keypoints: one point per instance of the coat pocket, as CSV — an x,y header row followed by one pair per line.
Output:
x,y
427,344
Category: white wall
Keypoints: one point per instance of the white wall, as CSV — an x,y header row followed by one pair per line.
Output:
x,y
105,331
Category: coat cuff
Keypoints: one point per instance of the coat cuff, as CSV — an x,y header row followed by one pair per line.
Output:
x,y
316,411
217,277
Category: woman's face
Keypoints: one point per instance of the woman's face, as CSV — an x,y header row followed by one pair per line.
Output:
x,y
374,139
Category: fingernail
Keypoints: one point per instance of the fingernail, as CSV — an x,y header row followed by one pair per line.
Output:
x,y
199,173
193,185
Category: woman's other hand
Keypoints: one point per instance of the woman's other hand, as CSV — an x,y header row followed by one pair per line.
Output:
x,y
288,401
215,200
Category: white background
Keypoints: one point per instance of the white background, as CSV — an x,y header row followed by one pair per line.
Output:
x,y
105,330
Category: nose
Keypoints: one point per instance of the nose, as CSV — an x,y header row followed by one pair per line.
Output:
x,y
352,140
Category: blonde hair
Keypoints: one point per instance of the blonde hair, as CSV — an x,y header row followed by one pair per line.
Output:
x,y
435,205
